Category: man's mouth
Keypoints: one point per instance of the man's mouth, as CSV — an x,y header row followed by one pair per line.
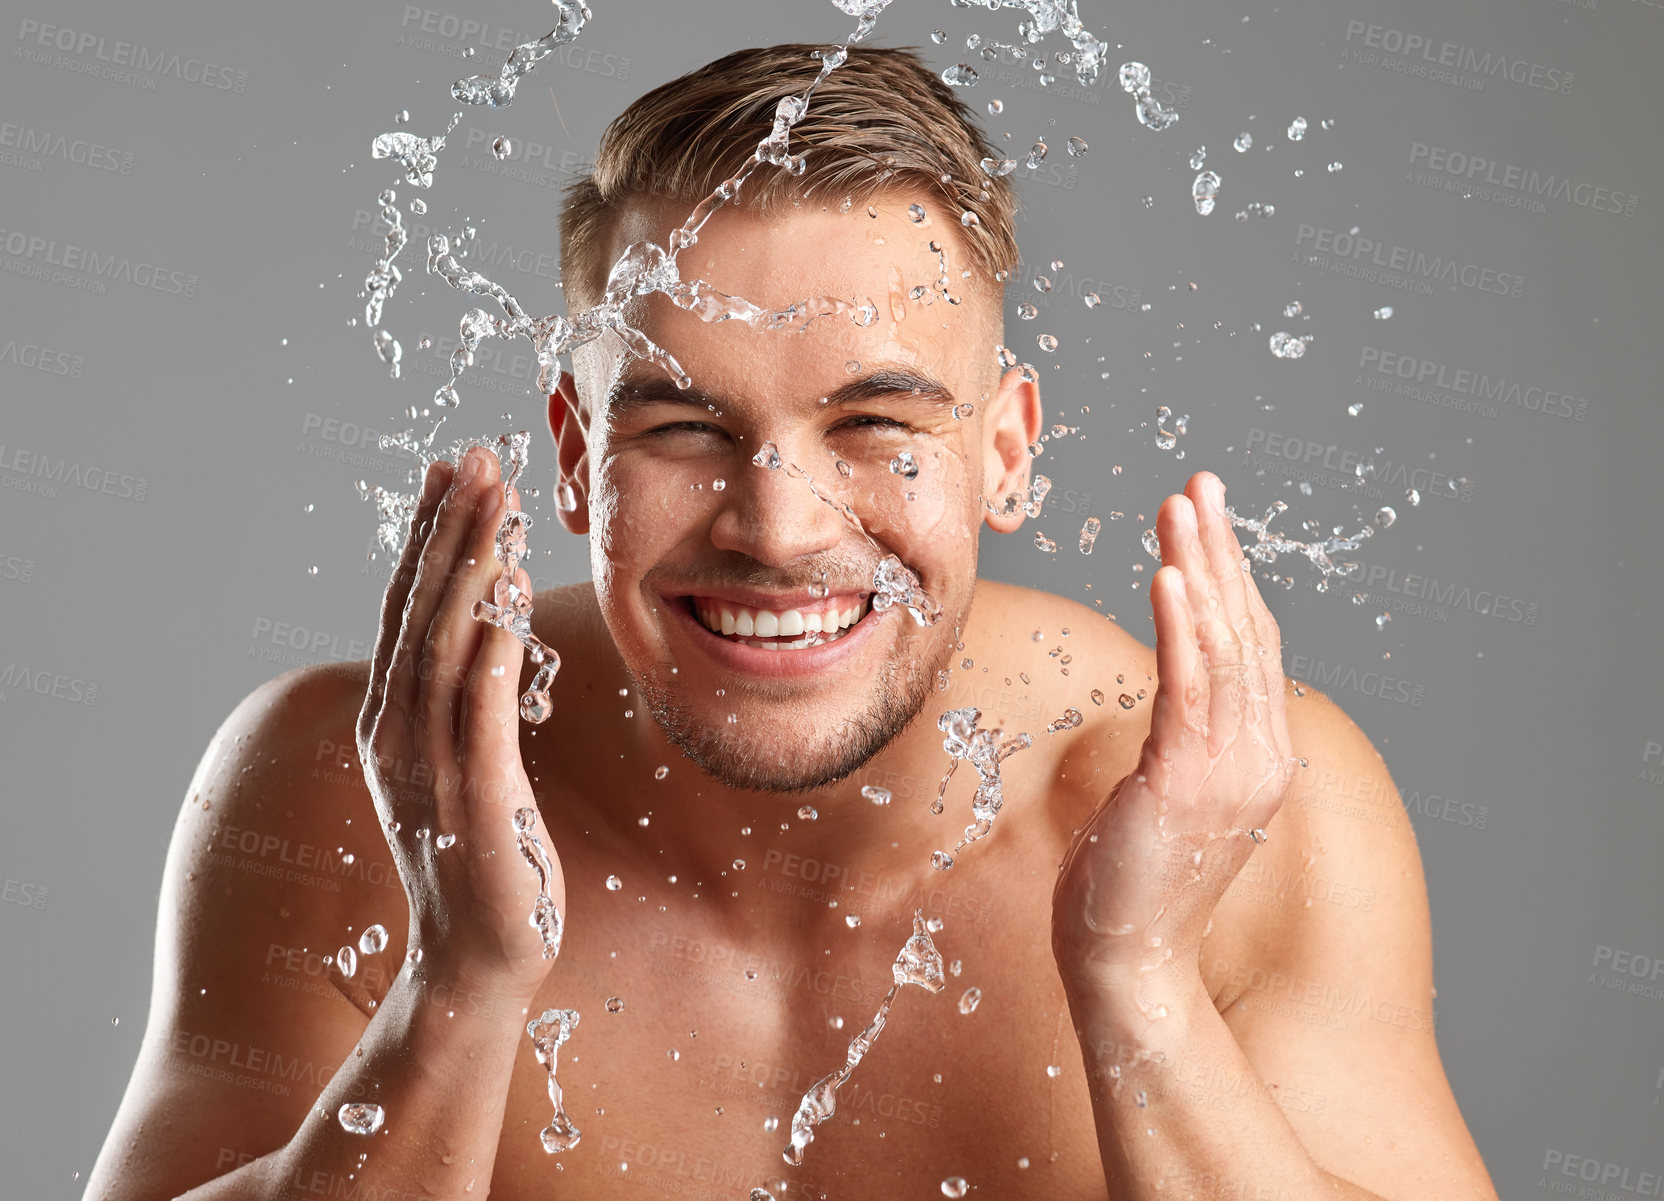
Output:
x,y
780,629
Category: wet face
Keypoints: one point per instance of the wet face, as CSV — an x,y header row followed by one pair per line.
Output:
x,y
739,594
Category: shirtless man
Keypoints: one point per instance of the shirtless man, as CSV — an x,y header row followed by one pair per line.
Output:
x,y
1199,928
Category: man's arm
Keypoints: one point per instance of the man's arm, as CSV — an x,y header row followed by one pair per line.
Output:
x,y
251,1055
1321,1077
251,1050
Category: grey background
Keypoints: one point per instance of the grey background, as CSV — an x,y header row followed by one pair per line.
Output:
x,y
170,605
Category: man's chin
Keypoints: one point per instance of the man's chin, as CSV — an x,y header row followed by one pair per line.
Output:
x,y
773,754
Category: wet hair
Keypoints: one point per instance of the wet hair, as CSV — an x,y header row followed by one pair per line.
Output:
x,y
881,122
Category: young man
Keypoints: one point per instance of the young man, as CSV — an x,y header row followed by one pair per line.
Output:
x,y
1191,958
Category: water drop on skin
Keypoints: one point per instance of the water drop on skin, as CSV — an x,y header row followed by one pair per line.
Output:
x,y
614,884
955,1187
361,1117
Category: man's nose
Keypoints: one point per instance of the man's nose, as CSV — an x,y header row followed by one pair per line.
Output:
x,y
774,516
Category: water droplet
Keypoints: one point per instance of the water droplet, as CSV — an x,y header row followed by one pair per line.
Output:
x,y
1332,168
502,148
941,860
771,1124
717,485
444,841
970,999
807,813
1286,346
767,456
1204,190
1054,1070
969,219
916,212
360,1117
1077,146
373,941
1135,78
955,1186
1297,129
739,865
1126,701
615,1004
994,168
1383,313
878,796
996,107
614,884
960,75
1027,311
1244,142
937,36
851,920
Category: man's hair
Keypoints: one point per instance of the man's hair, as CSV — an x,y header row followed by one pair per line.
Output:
x,y
880,122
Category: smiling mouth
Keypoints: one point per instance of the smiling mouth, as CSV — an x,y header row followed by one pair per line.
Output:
x,y
779,629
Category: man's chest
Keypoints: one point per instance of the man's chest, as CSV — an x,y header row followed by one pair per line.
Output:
x,y
693,1055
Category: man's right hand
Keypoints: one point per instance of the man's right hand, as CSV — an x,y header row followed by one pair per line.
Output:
x,y
439,737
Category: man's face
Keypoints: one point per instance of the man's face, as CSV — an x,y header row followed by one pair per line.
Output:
x,y
713,572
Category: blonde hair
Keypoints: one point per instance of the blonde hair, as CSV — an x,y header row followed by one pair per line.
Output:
x,y
881,122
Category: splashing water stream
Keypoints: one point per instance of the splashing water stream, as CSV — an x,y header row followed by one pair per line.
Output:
x,y
918,963
548,1033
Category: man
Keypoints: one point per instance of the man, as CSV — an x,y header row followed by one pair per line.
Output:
x,y
1188,933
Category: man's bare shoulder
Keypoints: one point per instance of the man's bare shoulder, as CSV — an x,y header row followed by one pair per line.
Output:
x,y
279,835
273,855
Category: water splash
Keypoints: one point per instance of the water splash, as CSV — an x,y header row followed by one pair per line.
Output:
x,y
545,916
1269,545
498,92
919,963
643,269
548,1033
985,751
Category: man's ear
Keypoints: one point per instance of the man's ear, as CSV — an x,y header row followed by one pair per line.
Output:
x,y
570,426
1011,423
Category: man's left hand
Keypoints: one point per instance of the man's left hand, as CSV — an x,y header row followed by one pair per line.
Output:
x,y
1140,882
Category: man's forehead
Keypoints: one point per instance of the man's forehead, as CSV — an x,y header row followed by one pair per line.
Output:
x,y
776,259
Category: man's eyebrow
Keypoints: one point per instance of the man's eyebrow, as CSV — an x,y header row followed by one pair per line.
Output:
x,y
634,393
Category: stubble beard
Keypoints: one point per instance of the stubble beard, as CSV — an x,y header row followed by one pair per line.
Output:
x,y
739,760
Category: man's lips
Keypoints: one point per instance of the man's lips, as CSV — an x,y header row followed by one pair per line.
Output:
x,y
804,654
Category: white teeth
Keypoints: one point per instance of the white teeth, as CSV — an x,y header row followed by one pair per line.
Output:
x,y
817,626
